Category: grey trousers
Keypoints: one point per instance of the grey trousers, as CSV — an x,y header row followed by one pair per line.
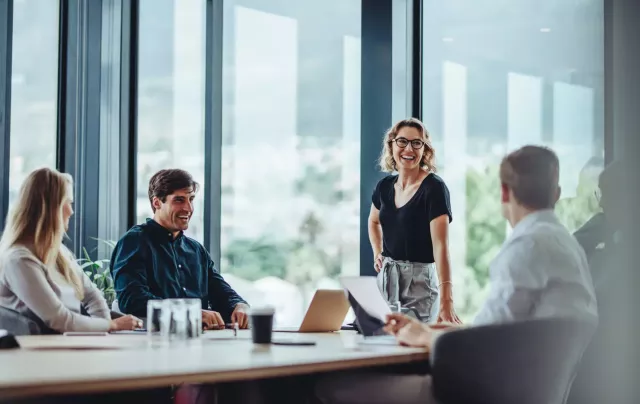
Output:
x,y
413,284
374,388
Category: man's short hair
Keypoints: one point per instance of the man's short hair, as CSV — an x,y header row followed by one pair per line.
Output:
x,y
532,173
166,182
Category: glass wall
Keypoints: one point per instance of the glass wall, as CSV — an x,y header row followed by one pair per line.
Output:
x,y
496,78
291,146
34,89
171,98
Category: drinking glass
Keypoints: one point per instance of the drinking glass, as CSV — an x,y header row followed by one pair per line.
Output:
x,y
173,320
156,313
194,318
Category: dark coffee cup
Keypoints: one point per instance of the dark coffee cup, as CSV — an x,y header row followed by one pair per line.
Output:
x,y
261,322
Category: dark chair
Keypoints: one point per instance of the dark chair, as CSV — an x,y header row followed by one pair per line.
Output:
x,y
530,362
17,324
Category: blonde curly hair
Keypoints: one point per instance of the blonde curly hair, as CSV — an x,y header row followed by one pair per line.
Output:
x,y
388,164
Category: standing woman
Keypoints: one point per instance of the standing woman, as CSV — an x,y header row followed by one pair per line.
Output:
x,y
409,225
38,276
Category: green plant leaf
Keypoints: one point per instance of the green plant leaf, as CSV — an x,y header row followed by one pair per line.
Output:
x,y
86,264
110,243
86,254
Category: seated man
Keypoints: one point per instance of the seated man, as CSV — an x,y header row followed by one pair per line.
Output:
x,y
601,236
540,272
155,260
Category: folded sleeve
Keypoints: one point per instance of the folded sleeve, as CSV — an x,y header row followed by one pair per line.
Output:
x,y
515,284
222,297
376,196
438,202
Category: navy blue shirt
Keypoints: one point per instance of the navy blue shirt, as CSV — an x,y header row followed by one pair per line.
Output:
x,y
148,263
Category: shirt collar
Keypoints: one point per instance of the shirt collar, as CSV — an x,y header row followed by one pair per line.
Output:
x,y
160,232
545,215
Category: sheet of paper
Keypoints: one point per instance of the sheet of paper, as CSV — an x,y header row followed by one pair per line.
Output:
x,y
365,290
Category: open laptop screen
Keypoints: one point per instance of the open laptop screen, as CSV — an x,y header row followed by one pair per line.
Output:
x,y
368,324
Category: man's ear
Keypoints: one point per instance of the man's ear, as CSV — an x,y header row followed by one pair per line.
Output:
x,y
504,193
558,193
156,202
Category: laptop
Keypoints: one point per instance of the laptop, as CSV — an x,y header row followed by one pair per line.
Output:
x,y
369,308
326,313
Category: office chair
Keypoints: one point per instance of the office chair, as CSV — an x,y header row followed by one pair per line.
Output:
x,y
529,362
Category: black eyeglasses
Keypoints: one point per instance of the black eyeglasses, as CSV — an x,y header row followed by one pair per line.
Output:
x,y
402,142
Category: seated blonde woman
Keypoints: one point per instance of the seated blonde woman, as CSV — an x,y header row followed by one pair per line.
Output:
x,y
38,275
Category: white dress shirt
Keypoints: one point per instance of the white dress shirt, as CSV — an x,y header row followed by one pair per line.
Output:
x,y
540,272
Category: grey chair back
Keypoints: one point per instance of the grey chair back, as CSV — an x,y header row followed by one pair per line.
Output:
x,y
530,362
17,324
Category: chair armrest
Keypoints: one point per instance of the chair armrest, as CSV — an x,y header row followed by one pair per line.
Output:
x,y
18,324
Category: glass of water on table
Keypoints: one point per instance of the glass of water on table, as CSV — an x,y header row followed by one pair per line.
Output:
x,y
173,320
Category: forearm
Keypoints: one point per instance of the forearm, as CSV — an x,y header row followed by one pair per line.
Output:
x,y
133,300
375,238
94,301
96,305
226,306
443,266
438,329
222,296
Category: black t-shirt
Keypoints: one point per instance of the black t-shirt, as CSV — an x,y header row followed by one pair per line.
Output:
x,y
406,235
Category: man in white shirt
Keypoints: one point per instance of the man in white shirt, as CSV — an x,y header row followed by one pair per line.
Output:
x,y
540,272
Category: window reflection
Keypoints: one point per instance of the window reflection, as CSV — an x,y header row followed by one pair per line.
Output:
x,y
34,87
291,146
171,98
495,79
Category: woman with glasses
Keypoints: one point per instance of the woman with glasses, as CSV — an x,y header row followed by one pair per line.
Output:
x,y
409,224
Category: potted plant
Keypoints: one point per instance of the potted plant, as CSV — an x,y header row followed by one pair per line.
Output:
x,y
99,273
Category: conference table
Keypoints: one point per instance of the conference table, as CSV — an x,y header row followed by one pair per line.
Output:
x,y
57,364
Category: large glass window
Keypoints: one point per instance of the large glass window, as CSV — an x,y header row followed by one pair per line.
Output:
x,y
171,97
34,89
291,146
497,77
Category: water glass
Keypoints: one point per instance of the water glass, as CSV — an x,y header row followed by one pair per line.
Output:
x,y
173,320
154,314
156,310
177,321
194,317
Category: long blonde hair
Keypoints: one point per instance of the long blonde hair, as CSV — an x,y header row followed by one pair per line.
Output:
x,y
386,161
36,222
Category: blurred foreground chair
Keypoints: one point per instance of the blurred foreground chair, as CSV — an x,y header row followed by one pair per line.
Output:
x,y
530,362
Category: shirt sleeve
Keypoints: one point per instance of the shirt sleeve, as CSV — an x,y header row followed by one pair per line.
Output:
x,y
375,197
129,273
438,202
27,280
222,297
515,283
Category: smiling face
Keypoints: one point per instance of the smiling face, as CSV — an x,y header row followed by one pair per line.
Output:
x,y
408,157
175,212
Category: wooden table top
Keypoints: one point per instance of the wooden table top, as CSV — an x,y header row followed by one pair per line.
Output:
x,y
64,364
